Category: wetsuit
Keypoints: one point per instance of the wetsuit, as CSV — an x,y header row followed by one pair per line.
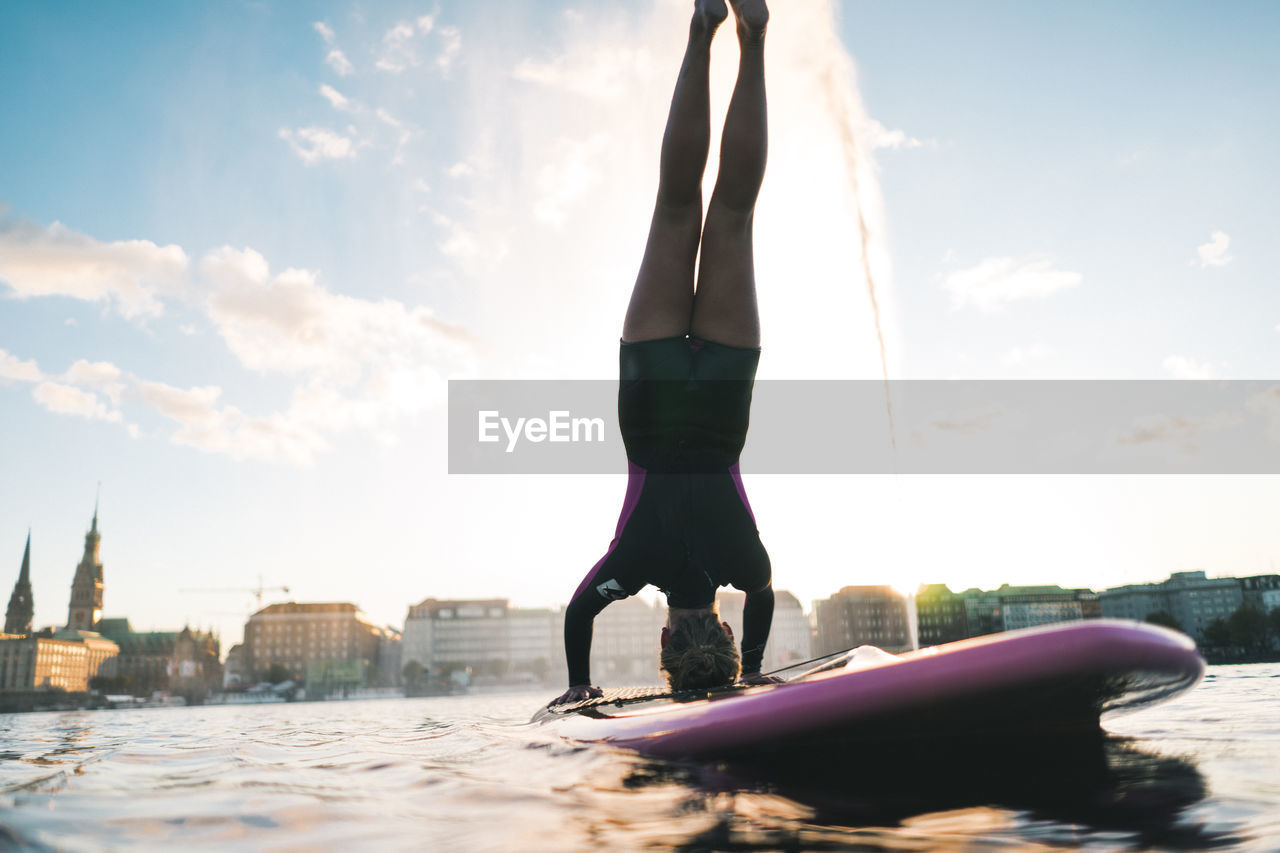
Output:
x,y
686,526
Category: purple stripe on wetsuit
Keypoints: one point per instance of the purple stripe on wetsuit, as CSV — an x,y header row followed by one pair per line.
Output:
x,y
635,485
736,474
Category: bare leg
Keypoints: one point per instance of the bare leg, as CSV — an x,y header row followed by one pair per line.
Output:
x,y
662,299
724,309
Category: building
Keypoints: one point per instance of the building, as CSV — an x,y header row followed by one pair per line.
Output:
x,y
1254,588
459,635
389,666
941,616
283,640
790,636
1029,606
1193,600
63,661
17,618
1270,600
862,615
983,612
85,608
235,669
182,662
626,641
536,641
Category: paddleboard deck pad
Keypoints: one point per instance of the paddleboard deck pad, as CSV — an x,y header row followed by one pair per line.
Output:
x,y
1055,680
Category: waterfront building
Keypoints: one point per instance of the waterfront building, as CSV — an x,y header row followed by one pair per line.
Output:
x,y
389,647
291,636
1270,600
85,608
983,612
235,669
446,636
626,642
17,618
862,615
1254,588
1029,606
1193,600
790,637
47,661
940,615
182,662
489,638
535,637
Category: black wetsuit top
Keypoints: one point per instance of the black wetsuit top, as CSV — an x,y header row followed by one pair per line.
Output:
x,y
686,526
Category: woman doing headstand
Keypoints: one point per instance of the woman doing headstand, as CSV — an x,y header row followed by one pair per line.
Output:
x,y
687,365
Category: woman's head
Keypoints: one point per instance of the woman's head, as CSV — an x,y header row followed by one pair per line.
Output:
x,y
698,651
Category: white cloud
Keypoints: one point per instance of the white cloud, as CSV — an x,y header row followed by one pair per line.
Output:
x,y
1214,253
600,72
995,282
452,47
289,323
398,53
402,45
359,364
66,400
570,177
314,144
187,406
880,136
1181,367
228,430
14,369
338,62
130,275
335,98
325,31
97,374
461,169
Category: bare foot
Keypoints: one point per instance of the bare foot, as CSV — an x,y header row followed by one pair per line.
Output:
x,y
708,15
753,17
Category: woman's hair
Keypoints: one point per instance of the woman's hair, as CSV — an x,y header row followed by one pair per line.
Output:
x,y
699,654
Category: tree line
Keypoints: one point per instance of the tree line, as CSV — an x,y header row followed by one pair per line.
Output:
x,y
1247,634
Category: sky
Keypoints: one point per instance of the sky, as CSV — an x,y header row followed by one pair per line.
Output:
x,y
243,247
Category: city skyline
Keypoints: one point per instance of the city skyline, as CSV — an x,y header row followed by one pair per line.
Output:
x,y
21,599
243,247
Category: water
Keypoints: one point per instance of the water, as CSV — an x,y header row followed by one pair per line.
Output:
x,y
469,773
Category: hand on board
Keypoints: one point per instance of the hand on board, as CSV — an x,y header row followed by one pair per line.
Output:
x,y
576,693
755,678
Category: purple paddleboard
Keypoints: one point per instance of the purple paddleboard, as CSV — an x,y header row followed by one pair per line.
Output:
x,y
1050,680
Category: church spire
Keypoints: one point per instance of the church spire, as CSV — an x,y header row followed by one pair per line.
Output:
x,y
17,619
85,608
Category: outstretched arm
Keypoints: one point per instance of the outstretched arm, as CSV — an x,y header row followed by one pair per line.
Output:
x,y
757,618
579,619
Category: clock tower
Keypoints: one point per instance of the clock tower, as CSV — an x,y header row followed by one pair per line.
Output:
x,y
86,590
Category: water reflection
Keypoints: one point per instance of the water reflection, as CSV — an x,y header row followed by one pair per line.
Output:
x,y
1055,792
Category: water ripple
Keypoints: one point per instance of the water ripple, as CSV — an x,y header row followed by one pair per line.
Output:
x,y
470,773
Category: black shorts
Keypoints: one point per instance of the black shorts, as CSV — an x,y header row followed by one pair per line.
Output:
x,y
684,403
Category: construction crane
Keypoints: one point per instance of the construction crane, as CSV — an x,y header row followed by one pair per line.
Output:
x,y
256,591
